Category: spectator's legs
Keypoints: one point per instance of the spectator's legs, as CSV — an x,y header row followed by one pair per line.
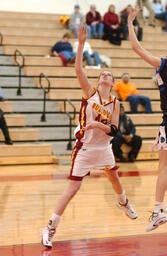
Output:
x,y
100,30
133,100
140,15
140,33
88,58
135,143
93,28
74,29
96,58
148,5
4,128
116,146
125,31
162,16
146,102
88,32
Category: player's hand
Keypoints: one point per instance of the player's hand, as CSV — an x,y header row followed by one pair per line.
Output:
x,y
82,33
92,125
133,14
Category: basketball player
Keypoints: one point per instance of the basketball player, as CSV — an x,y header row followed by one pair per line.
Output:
x,y
157,217
98,122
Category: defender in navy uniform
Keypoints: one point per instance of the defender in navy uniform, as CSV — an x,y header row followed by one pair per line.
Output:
x,y
158,217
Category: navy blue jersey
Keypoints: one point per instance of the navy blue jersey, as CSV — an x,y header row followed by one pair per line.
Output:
x,y
161,76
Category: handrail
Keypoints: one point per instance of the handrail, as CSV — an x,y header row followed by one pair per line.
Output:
x,y
1,38
45,91
16,54
72,105
69,145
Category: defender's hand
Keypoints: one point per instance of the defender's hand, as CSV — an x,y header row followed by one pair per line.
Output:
x,y
82,33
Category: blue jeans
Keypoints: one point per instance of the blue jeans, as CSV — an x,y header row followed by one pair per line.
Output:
x,y
68,55
162,16
135,100
96,29
96,57
75,28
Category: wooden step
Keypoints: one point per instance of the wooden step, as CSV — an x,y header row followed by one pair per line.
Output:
x,y
45,50
56,61
147,132
15,120
21,150
146,119
70,71
76,94
31,24
19,160
22,134
62,82
155,106
29,16
6,106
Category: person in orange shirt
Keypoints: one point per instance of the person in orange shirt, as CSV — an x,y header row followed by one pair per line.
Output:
x,y
128,92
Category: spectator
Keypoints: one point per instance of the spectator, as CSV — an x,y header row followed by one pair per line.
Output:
x,y
128,92
147,5
75,19
4,129
126,135
111,26
124,24
63,49
160,12
94,22
88,53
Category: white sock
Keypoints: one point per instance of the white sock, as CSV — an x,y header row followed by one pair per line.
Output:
x,y
158,206
54,220
122,197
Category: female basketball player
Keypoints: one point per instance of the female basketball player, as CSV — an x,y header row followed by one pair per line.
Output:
x,y
98,122
157,217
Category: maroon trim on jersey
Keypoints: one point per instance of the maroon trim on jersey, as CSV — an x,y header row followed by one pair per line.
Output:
x,y
116,167
110,100
77,178
79,135
93,93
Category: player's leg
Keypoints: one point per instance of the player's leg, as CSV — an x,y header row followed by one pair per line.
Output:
x,y
120,192
69,193
158,217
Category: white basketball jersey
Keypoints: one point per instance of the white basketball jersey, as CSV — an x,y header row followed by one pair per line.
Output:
x,y
93,109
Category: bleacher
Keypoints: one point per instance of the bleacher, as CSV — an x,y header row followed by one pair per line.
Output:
x,y
33,35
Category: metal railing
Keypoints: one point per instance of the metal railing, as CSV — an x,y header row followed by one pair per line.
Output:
x,y
17,54
1,38
46,90
71,119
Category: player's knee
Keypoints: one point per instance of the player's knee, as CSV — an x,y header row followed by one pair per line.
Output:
x,y
113,176
74,188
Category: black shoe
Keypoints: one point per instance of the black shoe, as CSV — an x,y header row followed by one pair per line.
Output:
x,y
8,142
131,158
122,159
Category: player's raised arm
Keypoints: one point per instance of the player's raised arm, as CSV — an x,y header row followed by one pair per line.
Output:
x,y
82,77
143,53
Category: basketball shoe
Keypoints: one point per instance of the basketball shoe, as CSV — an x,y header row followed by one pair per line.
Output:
x,y
156,219
127,208
47,236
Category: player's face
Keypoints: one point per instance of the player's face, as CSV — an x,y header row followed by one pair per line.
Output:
x,y
106,78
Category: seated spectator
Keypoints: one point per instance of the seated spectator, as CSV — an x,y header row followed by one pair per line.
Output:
x,y
75,19
88,53
94,22
111,26
128,92
63,49
126,135
4,129
124,24
1,95
160,12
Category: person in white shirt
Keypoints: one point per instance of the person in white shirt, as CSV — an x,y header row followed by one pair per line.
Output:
x,y
88,53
